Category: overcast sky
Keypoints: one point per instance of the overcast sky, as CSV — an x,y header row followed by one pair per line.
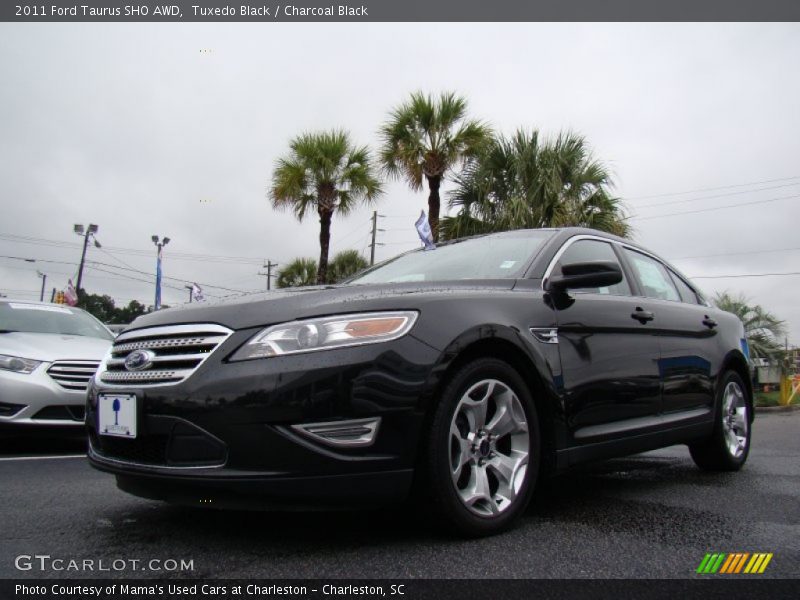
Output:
x,y
173,129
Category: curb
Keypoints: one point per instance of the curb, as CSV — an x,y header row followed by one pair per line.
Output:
x,y
767,409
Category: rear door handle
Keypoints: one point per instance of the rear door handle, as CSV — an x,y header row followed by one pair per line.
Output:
x,y
642,315
709,322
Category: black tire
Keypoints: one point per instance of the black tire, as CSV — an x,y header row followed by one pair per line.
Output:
x,y
716,452
443,494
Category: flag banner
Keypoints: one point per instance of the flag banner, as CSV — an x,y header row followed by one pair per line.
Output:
x,y
424,231
158,280
70,295
197,293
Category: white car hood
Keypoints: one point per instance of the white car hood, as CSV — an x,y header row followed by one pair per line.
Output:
x,y
48,347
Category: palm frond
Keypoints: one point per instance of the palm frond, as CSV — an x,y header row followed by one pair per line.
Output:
x,y
523,181
299,272
324,172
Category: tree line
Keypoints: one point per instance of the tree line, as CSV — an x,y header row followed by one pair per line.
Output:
x,y
501,183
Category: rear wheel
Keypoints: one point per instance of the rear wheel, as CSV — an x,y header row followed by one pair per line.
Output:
x,y
483,448
728,447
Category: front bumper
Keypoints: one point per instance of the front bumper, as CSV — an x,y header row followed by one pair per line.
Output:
x,y
224,436
36,400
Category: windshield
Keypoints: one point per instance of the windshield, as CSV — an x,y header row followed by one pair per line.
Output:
x,y
43,318
499,256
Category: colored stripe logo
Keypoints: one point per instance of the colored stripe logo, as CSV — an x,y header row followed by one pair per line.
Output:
x,y
734,563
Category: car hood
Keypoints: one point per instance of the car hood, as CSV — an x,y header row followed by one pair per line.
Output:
x,y
48,347
264,309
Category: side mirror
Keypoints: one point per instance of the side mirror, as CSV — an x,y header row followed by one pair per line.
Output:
x,y
593,274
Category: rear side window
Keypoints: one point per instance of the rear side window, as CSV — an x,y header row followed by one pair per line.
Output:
x,y
591,250
653,277
687,293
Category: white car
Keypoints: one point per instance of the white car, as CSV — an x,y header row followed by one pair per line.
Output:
x,y
48,354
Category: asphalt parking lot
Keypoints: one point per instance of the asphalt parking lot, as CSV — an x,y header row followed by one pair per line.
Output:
x,y
653,515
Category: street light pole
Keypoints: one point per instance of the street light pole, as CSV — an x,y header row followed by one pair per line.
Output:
x,y
90,231
44,282
159,244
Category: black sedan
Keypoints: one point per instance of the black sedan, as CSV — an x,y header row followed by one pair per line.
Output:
x,y
459,375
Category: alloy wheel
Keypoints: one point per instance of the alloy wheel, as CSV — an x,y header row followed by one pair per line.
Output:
x,y
734,419
489,447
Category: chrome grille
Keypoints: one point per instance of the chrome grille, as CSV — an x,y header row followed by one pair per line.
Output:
x,y
178,351
73,374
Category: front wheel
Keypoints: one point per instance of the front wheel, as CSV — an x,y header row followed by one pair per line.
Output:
x,y
728,447
483,448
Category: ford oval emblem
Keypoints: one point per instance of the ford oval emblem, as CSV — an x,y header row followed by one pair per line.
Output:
x,y
139,360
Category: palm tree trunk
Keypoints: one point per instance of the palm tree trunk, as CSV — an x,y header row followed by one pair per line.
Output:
x,y
324,244
433,204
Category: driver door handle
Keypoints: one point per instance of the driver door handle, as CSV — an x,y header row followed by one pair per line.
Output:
x,y
642,315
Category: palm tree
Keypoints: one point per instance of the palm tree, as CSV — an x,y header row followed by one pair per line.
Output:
x,y
762,329
346,264
299,272
324,171
525,181
426,137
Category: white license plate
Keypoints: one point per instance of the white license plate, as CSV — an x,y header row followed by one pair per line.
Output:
x,y
116,415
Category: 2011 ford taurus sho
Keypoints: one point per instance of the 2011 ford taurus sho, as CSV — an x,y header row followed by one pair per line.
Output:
x,y
463,374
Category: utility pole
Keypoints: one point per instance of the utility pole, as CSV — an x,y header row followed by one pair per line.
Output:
x,y
375,230
53,295
44,282
91,230
269,274
191,289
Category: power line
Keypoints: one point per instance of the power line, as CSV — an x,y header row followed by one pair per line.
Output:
x,y
701,210
737,253
354,230
181,279
131,251
774,187
147,281
119,260
127,268
712,189
33,260
745,275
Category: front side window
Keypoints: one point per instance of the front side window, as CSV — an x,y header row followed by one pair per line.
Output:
x,y
687,293
589,251
653,277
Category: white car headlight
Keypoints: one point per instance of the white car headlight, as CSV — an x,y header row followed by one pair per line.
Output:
x,y
17,364
325,333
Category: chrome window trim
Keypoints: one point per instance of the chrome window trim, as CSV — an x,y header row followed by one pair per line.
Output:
x,y
625,246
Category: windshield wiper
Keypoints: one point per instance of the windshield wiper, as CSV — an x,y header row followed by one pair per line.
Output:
x,y
8,331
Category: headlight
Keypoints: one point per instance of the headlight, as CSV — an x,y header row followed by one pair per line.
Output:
x,y
18,365
310,335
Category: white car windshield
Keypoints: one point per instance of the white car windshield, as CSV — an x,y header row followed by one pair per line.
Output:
x,y
44,318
